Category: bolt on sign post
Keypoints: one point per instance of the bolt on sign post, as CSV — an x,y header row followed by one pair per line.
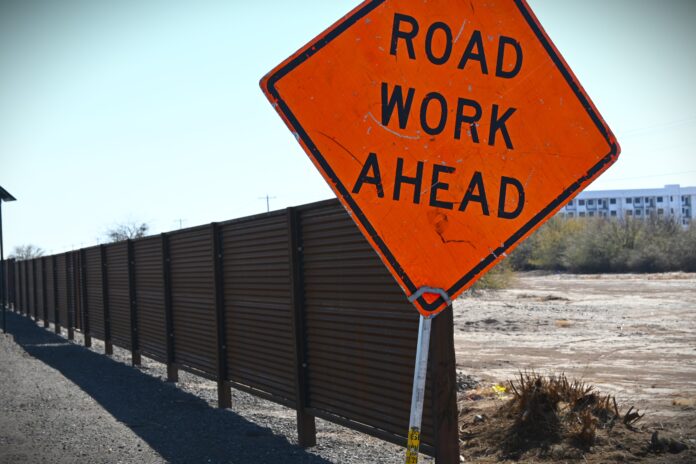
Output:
x,y
450,131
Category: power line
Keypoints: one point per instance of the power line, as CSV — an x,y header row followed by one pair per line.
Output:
x,y
649,176
663,126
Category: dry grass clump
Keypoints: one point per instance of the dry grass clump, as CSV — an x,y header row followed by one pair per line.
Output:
x,y
548,409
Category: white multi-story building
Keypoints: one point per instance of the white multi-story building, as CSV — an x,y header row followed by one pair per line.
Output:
x,y
670,201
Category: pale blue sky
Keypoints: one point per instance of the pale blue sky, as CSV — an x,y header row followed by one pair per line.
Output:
x,y
151,110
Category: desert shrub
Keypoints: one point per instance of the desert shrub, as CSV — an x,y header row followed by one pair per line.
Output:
x,y
501,276
552,242
686,249
594,245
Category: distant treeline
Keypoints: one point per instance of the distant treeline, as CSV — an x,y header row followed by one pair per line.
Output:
x,y
596,245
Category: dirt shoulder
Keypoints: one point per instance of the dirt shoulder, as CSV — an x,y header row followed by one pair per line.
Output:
x,y
633,336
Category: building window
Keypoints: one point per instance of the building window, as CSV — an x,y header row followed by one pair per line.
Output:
x,y
570,215
590,202
629,200
570,203
660,211
612,201
671,198
591,213
638,212
581,214
637,201
659,199
629,213
581,202
613,213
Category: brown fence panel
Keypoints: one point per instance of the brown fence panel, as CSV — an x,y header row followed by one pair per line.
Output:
x,y
26,287
39,283
50,289
260,344
193,300
70,289
19,290
360,329
95,301
21,305
76,290
31,299
119,298
149,287
17,275
10,282
60,289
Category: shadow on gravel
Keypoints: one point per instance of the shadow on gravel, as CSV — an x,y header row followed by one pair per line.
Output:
x,y
180,426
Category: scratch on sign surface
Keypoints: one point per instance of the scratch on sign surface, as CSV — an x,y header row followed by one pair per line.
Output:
x,y
341,145
410,137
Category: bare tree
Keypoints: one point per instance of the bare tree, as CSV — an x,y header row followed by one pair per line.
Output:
x,y
126,230
26,252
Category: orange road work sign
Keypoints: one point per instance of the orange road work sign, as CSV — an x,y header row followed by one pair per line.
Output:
x,y
449,130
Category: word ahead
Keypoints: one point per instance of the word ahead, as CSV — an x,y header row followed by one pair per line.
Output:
x,y
475,192
449,130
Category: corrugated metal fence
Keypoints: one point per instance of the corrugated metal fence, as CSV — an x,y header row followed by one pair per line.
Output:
x,y
292,306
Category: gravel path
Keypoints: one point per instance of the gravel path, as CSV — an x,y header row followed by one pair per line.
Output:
x,y
63,403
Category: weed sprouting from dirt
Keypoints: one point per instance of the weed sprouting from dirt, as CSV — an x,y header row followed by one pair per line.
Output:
x,y
545,414
546,410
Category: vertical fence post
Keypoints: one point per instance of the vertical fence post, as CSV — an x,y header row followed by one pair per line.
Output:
x,y
85,305
306,423
27,307
77,294
69,300
14,285
56,300
10,298
18,287
34,289
224,391
22,288
135,344
108,346
44,291
172,369
31,307
10,284
444,389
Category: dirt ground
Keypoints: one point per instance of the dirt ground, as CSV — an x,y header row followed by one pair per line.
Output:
x,y
633,336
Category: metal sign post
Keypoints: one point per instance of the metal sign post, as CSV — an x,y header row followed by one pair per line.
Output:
x,y
419,374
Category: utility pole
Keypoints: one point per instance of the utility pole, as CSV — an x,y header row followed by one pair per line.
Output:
x,y
268,202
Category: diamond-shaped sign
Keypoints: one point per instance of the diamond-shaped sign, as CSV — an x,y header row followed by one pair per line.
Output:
x,y
449,130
